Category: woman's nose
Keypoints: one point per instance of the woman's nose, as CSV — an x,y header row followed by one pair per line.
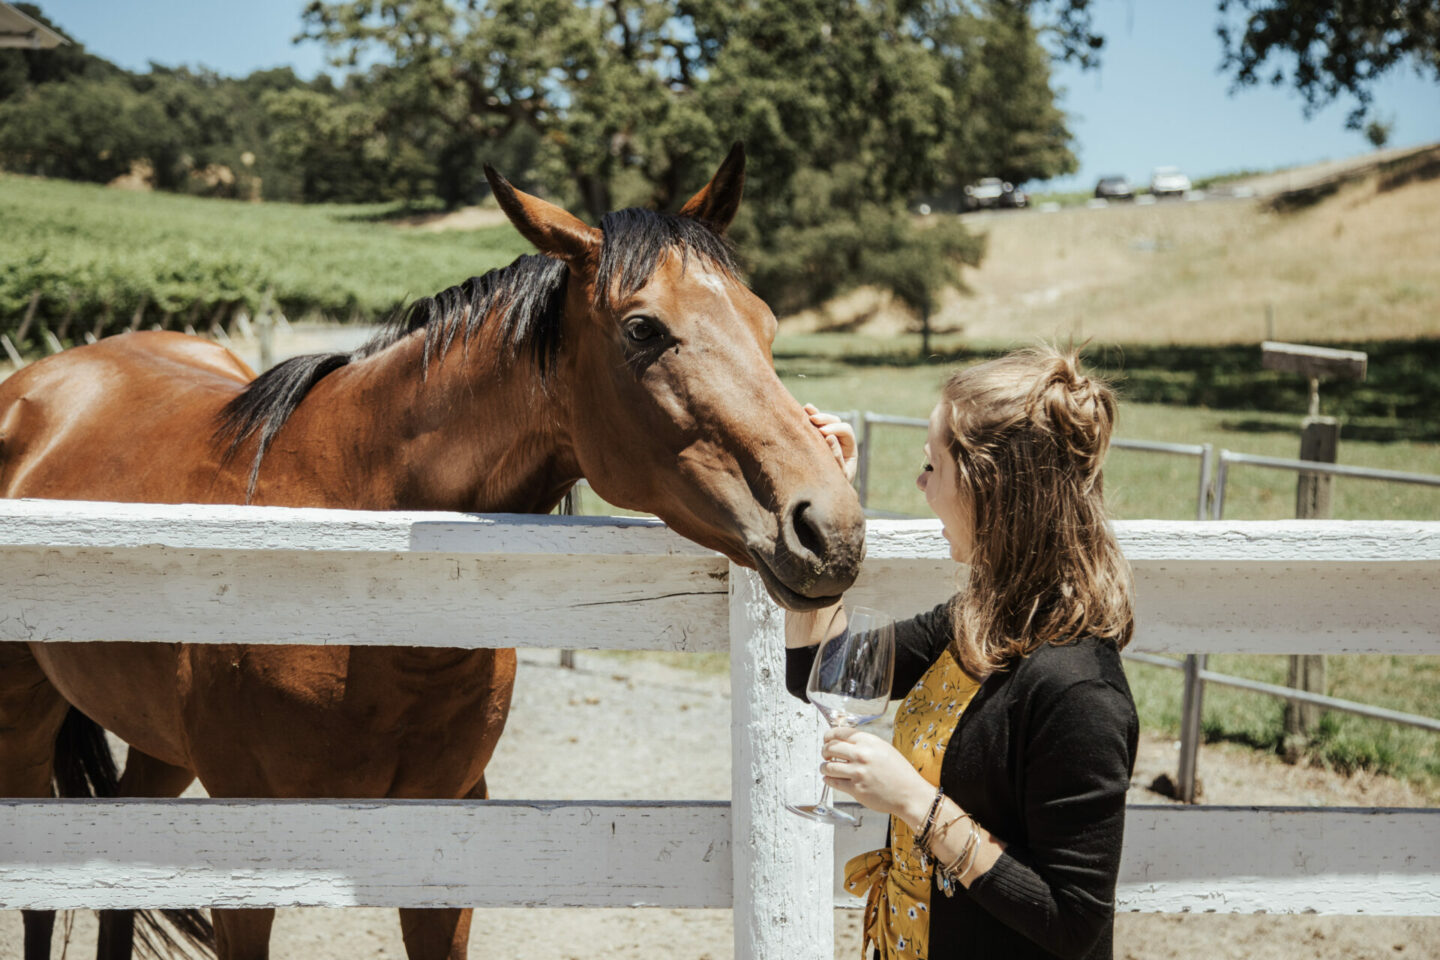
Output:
x,y
920,480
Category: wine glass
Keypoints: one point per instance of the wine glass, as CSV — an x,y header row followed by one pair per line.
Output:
x,y
850,684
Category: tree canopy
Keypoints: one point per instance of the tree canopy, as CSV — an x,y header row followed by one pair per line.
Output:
x,y
1327,49
851,113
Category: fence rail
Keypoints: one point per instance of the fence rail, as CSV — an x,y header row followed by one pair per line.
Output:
x,y
1227,457
1291,693
401,853
83,571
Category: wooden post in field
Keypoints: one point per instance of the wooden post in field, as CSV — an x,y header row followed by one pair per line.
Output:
x,y
14,355
64,330
1320,442
29,318
138,317
102,321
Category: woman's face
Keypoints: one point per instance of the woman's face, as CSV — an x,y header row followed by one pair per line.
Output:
x,y
940,482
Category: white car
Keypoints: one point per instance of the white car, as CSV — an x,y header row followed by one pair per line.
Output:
x,y
992,192
1169,182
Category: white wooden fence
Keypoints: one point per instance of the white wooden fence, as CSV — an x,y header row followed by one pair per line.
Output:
x,y
85,571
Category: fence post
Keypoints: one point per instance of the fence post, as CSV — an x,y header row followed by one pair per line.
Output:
x,y
783,864
862,472
1191,710
1203,500
569,507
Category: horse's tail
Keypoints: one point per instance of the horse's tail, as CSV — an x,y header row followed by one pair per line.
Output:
x,y
84,767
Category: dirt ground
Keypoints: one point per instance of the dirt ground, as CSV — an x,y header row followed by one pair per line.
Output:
x,y
630,728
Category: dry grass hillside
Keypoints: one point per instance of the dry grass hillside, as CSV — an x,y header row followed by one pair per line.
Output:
x,y
1363,263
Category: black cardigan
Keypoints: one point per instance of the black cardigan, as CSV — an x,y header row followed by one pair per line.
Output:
x,y
1041,758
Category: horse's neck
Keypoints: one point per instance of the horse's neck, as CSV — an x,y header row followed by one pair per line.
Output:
x,y
473,435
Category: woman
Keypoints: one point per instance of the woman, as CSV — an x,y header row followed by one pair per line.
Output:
x,y
1013,750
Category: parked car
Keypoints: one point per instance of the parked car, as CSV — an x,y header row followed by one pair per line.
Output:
x,y
990,193
1169,182
1114,188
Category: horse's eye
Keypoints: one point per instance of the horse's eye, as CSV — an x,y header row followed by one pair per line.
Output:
x,y
643,330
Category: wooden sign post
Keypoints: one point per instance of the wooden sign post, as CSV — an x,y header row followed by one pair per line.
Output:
x,y
1320,442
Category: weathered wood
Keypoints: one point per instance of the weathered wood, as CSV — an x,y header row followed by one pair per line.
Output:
x,y
346,576
148,854
1342,861
1320,442
1308,361
432,600
135,854
782,863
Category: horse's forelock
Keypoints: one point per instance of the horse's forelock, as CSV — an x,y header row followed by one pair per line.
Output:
x,y
636,242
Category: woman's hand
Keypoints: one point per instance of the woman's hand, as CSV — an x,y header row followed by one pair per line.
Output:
x,y
875,773
840,437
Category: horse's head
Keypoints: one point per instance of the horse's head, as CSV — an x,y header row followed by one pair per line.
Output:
x,y
670,397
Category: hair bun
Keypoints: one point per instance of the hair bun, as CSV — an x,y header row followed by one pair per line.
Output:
x,y
1079,408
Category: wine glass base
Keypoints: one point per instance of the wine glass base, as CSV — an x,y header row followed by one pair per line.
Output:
x,y
823,814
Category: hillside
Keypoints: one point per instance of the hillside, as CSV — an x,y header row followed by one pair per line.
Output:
x,y
99,255
1360,264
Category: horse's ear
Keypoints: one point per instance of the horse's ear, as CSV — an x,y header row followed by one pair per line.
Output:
x,y
718,200
554,230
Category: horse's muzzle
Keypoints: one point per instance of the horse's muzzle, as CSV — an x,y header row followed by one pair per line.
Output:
x,y
816,554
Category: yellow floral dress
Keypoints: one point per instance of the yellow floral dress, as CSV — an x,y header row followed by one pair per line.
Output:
x,y
896,880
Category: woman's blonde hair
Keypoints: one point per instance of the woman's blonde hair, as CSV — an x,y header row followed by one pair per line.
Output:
x,y
1029,433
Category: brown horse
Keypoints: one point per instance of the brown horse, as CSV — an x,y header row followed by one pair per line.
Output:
x,y
630,355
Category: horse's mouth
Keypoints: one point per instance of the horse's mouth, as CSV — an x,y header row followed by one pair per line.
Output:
x,y
786,596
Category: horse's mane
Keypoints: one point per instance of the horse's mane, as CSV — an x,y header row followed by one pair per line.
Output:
x,y
527,298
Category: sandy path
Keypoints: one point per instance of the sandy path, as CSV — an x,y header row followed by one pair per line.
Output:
x,y
629,728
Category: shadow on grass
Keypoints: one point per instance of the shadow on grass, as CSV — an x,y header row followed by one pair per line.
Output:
x,y
396,212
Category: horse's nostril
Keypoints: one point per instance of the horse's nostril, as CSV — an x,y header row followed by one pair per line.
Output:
x,y
807,532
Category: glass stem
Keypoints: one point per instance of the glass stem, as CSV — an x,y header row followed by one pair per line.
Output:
x,y
824,800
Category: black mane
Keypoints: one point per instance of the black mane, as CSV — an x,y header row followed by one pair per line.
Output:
x,y
527,298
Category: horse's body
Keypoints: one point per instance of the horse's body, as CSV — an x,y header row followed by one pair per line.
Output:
x,y
641,363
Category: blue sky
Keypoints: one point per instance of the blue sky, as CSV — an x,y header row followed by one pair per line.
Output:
x,y
1157,99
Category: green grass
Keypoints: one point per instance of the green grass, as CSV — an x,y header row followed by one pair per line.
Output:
x,y
1344,743
112,249
1205,400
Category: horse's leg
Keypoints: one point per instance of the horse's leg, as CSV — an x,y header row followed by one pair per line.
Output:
x,y
242,934
39,925
144,776
439,934
31,713
433,934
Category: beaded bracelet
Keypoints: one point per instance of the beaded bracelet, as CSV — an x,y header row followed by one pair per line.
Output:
x,y
922,839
